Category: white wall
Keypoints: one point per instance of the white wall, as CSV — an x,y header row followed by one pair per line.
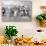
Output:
x,y
25,28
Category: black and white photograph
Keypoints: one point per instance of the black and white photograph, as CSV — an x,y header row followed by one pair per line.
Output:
x,y
16,11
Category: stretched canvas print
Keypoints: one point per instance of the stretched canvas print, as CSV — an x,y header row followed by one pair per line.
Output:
x,y
16,11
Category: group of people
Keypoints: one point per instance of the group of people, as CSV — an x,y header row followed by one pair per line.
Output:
x,y
23,11
16,11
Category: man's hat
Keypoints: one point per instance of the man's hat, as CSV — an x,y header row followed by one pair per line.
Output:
x,y
42,7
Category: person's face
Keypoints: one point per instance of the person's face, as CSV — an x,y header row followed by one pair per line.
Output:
x,y
44,10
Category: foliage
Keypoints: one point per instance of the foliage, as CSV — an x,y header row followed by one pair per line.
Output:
x,y
11,31
41,17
